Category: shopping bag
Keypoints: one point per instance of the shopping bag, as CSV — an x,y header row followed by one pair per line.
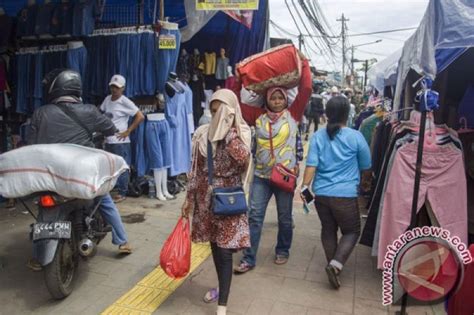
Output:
x,y
175,256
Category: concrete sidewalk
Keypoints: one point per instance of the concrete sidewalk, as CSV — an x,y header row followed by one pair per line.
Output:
x,y
299,287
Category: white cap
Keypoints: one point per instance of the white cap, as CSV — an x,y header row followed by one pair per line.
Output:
x,y
334,89
118,81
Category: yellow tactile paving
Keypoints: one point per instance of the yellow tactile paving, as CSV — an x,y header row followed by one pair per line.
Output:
x,y
155,288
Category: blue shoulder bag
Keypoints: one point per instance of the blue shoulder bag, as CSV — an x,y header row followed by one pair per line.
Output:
x,y
226,201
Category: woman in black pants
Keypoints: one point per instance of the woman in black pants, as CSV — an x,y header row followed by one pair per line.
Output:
x,y
336,157
230,138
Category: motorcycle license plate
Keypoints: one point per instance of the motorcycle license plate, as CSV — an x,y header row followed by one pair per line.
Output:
x,y
60,229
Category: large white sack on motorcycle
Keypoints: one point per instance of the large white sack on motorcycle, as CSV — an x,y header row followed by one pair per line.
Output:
x,y
67,169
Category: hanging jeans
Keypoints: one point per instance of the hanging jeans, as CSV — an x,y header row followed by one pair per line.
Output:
x,y
260,195
125,151
77,59
443,183
137,139
167,59
111,215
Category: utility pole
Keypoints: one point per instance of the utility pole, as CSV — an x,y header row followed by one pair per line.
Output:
x,y
343,21
352,62
366,68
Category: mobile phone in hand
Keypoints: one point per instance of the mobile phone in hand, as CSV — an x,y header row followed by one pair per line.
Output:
x,y
308,196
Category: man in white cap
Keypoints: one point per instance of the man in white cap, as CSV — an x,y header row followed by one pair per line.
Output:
x,y
121,108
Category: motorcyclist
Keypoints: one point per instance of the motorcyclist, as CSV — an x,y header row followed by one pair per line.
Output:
x,y
67,120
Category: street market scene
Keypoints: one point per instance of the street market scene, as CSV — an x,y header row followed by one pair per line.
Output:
x,y
237,157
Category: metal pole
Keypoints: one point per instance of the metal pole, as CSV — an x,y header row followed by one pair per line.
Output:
x,y
162,10
366,68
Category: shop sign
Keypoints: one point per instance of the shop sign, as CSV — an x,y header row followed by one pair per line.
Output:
x,y
167,42
227,4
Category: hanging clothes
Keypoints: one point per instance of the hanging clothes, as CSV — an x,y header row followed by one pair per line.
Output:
x,y
198,99
183,68
221,68
189,106
210,63
176,115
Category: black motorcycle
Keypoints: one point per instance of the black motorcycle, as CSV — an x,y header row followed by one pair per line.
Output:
x,y
65,231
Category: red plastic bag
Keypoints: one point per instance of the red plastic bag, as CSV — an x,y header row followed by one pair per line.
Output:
x,y
175,256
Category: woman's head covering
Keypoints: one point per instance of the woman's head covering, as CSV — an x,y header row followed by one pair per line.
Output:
x,y
275,116
277,89
227,116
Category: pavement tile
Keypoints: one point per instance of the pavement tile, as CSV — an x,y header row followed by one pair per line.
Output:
x,y
260,306
281,308
369,288
364,306
312,294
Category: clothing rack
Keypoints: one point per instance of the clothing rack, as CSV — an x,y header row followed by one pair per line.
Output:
x,y
147,109
123,30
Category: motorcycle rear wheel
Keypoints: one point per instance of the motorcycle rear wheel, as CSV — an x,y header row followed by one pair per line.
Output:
x,y
59,274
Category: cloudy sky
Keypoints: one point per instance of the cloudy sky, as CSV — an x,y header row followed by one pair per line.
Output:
x,y
364,16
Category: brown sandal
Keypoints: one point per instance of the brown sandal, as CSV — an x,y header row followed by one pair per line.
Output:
x,y
281,260
125,249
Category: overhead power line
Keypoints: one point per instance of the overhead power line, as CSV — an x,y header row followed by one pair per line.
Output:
x,y
387,31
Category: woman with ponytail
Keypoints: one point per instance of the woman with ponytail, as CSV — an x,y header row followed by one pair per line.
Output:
x,y
336,157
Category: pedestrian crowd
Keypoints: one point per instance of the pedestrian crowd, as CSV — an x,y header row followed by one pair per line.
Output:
x,y
337,155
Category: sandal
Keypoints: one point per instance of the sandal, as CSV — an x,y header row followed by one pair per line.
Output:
x,y
119,198
125,249
243,268
34,265
333,276
281,260
211,296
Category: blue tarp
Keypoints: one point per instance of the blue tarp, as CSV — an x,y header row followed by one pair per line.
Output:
x,y
444,33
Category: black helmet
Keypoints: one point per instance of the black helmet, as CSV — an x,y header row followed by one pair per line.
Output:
x,y
62,82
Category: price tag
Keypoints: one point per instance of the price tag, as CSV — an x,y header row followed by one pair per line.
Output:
x,y
167,42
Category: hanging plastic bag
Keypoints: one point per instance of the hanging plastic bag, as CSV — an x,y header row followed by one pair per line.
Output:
x,y
175,256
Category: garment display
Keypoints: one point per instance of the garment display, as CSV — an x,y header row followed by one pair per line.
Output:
x,y
189,106
221,68
442,186
62,19
177,116
77,58
158,144
84,14
209,63
368,125
6,25
199,99
467,139
167,59
26,20
44,18
106,47
183,68
33,64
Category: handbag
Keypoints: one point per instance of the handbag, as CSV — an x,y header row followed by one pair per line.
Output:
x,y
225,201
281,176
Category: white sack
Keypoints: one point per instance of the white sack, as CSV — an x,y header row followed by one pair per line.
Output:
x,y
67,169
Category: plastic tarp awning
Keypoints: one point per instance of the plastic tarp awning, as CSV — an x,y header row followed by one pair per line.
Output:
x,y
384,72
444,33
